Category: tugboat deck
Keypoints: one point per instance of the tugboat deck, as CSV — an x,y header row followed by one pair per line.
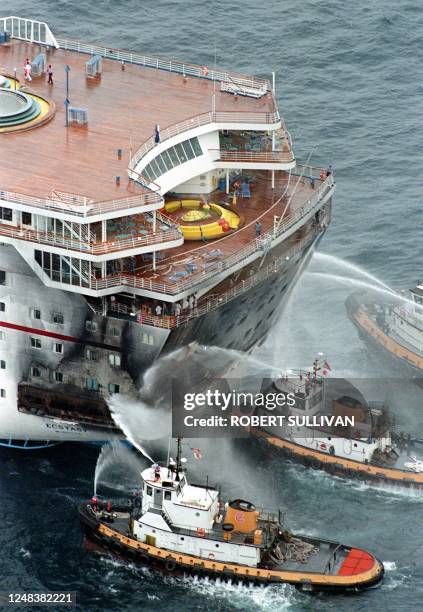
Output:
x,y
124,106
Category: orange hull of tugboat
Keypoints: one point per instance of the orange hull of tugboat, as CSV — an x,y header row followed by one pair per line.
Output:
x,y
365,324
360,570
340,466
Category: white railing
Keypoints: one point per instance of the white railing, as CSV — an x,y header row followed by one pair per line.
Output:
x,y
260,243
264,118
211,303
28,29
82,207
99,248
169,65
254,156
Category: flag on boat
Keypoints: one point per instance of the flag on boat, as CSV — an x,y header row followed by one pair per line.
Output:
x,y
326,368
197,453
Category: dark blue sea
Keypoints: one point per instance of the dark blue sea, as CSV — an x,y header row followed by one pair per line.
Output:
x,y
350,87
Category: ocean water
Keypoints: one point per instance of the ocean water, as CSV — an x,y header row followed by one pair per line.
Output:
x,y
350,89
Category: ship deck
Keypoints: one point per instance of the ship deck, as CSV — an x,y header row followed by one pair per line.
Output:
x,y
195,257
123,105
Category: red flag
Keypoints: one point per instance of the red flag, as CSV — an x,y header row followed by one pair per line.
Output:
x,y
197,453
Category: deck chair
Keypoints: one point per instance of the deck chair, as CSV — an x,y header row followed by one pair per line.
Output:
x,y
245,190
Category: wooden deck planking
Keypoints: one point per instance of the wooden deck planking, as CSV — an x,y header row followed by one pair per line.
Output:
x,y
123,107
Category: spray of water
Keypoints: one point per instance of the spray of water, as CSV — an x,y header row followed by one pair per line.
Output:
x,y
326,259
118,468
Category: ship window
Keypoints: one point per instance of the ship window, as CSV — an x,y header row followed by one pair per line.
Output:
x,y
58,376
35,343
114,388
91,326
35,372
167,160
92,384
5,214
148,338
2,277
168,495
181,153
161,164
155,168
114,360
149,491
36,313
58,347
3,393
115,331
2,364
91,355
2,307
26,218
58,318
188,149
196,146
355,445
173,156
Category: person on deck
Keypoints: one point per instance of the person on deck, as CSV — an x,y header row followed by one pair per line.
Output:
x,y
27,71
258,228
50,75
159,310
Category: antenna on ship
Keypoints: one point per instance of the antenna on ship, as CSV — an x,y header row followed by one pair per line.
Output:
x,y
178,457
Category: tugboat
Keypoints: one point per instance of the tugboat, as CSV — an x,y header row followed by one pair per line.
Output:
x,y
369,450
181,527
395,326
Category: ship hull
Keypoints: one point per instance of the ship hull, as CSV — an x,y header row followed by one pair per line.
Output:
x,y
50,411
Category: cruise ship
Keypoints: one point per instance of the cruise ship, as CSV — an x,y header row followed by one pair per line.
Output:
x,y
145,203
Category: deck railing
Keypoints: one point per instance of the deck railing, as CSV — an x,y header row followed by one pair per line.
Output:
x,y
166,64
264,118
210,304
81,207
99,248
261,243
29,30
254,156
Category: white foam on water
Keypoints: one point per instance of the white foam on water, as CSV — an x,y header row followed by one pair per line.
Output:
x,y
389,566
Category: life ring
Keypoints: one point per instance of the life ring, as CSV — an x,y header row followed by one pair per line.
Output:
x,y
201,532
170,564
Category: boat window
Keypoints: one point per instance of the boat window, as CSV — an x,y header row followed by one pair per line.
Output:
x,y
188,149
58,318
58,376
92,384
2,393
161,164
114,388
181,153
26,218
114,360
2,307
167,160
147,173
2,364
58,347
155,168
5,214
149,491
35,343
35,372
196,146
2,277
173,156
91,355
168,495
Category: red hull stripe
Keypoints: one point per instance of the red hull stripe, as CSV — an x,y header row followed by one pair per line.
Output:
x,y
39,332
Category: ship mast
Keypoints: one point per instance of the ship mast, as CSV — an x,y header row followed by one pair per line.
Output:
x,y
178,457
